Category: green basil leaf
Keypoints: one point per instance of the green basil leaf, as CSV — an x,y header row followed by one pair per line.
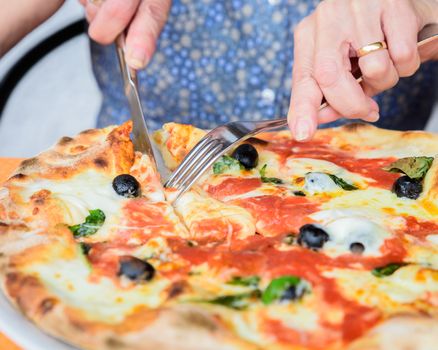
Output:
x,y
226,163
249,281
342,183
237,302
266,179
289,239
92,224
387,270
276,288
414,167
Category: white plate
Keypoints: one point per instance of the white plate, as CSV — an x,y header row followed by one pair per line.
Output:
x,y
25,333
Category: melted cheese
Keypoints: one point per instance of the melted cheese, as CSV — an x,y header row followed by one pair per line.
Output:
x,y
404,286
79,194
101,300
196,208
380,200
300,167
316,182
345,231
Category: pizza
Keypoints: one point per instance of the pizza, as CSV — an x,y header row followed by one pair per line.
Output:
x,y
329,244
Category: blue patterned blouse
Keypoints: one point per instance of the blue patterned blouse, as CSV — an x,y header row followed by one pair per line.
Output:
x,y
227,60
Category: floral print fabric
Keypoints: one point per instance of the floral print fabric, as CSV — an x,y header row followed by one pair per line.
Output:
x,y
228,60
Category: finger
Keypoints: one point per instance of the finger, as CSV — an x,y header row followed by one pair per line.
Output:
x,y
328,115
144,31
377,68
338,85
91,12
83,2
401,28
111,19
306,96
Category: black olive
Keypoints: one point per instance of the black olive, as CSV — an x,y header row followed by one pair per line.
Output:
x,y
299,194
311,236
247,155
357,248
407,187
135,269
126,185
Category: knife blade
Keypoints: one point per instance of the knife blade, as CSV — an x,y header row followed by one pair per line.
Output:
x,y
141,138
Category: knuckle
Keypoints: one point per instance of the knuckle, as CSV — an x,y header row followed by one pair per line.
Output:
x,y
326,71
356,111
156,10
121,9
375,66
403,53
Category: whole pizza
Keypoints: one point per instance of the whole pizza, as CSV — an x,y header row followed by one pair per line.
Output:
x,y
329,244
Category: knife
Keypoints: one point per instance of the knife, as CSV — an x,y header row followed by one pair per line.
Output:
x,y
141,139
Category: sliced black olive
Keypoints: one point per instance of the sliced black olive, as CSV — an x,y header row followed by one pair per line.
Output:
x,y
357,248
299,194
311,236
247,155
135,269
292,293
85,248
407,187
126,185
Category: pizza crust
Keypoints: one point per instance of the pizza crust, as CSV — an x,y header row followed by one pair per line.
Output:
x,y
402,332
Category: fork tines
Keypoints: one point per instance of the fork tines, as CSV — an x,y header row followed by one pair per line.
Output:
x,y
199,159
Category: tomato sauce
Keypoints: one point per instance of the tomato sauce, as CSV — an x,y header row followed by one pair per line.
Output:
x,y
233,186
277,215
142,218
370,168
420,229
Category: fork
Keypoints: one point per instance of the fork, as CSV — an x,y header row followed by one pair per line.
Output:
x,y
223,138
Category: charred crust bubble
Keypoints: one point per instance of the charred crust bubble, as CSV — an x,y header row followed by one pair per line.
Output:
x,y
65,140
176,289
101,162
18,176
354,126
28,163
47,305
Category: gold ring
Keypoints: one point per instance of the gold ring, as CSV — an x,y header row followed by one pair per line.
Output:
x,y
370,48
95,2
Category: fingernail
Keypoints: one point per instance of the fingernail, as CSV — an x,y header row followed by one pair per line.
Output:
x,y
302,130
136,58
373,116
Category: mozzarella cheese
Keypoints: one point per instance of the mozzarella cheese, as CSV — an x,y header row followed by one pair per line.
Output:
x,y
101,300
197,208
79,194
404,286
316,182
300,167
